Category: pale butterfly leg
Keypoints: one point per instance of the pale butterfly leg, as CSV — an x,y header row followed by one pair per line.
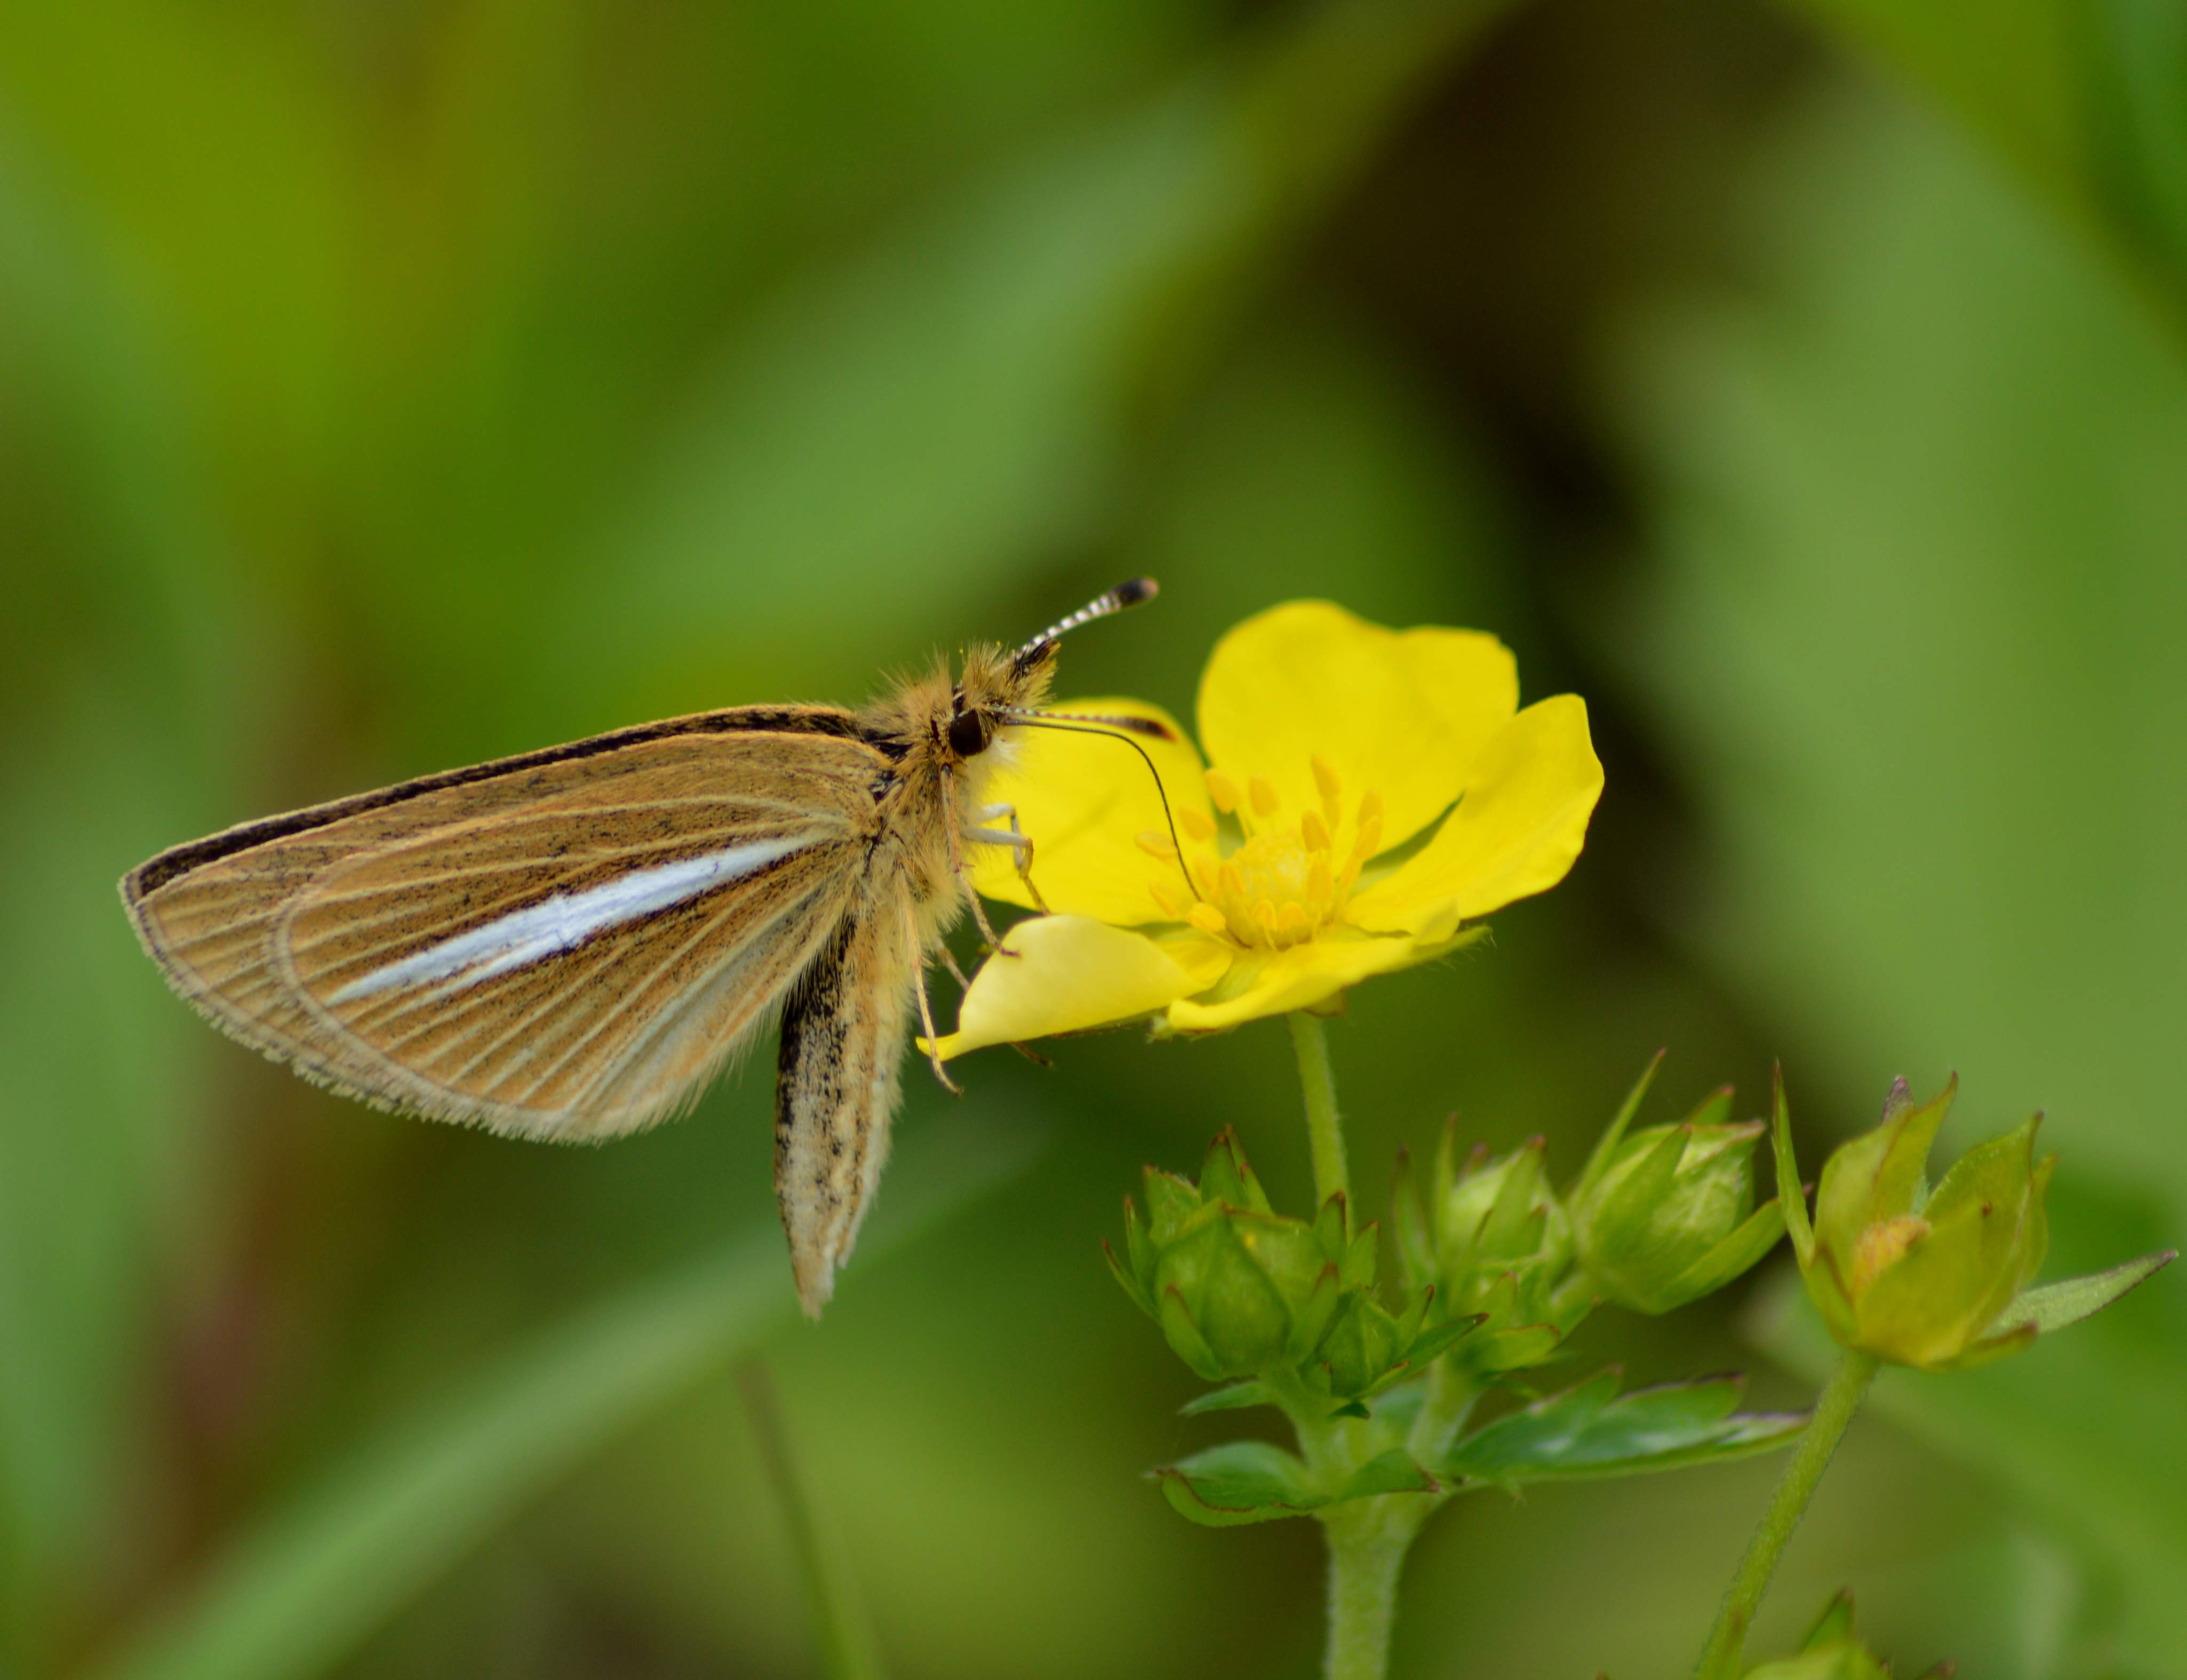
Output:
x,y
925,1004
1016,838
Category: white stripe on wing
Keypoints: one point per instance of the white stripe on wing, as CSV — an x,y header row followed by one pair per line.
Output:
x,y
566,921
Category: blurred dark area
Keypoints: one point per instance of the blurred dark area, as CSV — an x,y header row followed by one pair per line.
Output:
x,y
389,386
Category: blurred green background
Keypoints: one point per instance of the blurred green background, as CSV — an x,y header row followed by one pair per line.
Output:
x,y
389,385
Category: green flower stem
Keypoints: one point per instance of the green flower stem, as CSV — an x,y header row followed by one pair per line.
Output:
x,y
1324,1130
1826,1426
1366,1554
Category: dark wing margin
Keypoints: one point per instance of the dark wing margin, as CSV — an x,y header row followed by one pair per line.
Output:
x,y
175,861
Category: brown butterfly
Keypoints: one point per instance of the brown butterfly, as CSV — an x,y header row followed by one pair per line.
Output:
x,y
569,944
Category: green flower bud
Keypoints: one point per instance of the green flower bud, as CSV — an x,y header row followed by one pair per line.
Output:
x,y
1237,1288
1917,1277
1494,1240
1936,1279
1833,1652
1667,1214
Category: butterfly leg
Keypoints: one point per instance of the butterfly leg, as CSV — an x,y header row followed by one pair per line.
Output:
x,y
971,895
925,1004
1016,838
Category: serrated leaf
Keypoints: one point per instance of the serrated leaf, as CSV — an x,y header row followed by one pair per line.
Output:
x,y
1583,1433
2052,1307
1240,1481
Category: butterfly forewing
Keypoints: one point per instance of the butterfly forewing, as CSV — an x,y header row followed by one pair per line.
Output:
x,y
564,945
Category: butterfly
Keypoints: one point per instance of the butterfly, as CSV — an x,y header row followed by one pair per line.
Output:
x,y
569,944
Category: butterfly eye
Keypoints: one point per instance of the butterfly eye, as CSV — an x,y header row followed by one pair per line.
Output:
x,y
968,735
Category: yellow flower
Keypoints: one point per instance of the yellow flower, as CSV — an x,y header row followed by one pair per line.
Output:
x,y
1370,790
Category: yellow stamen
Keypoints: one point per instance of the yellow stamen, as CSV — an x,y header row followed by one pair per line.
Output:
x,y
1224,791
1264,915
1264,796
1291,920
1229,882
1370,838
1156,844
1196,823
1320,885
1167,901
1371,806
1325,779
1208,918
1314,832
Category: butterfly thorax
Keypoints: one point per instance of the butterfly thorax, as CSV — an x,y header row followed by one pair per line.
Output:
x,y
945,739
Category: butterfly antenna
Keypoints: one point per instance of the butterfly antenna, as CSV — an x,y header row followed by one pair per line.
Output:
x,y
1117,729
1115,601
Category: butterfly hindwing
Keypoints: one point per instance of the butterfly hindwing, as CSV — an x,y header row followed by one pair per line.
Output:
x,y
843,1033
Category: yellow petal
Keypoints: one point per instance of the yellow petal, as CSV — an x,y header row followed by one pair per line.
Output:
x,y
1402,712
1070,973
1521,823
1299,977
1085,800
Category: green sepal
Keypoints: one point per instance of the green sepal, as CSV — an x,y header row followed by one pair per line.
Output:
x,y
1139,1249
1184,1338
1518,1349
1587,1432
2055,1305
1614,1134
1409,1232
1357,1266
1513,1225
1171,1202
1235,1398
1238,1482
1742,1249
1310,1321
1880,1174
1790,1196
1130,1284
1330,1223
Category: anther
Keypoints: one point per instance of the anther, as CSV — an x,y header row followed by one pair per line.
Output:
x,y
1314,832
1196,823
1224,791
1167,901
1264,796
1156,844
1325,779
1208,918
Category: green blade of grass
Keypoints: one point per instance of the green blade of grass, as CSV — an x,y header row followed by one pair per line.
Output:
x,y
298,1591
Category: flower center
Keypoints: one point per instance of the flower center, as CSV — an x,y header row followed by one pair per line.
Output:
x,y
1289,878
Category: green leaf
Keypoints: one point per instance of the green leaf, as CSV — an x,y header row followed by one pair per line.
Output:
x,y
307,1582
2082,101
2052,1307
1392,1472
1240,1481
1585,1433
962,395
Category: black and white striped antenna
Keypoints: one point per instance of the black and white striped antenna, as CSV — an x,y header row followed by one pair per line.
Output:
x,y
1123,595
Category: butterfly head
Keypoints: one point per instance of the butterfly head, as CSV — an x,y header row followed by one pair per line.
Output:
x,y
998,686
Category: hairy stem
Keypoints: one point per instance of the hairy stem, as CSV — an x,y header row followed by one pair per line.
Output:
x,y
1366,1554
1834,1410
1324,1129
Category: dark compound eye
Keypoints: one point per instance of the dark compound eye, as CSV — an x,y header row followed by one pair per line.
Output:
x,y
968,735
